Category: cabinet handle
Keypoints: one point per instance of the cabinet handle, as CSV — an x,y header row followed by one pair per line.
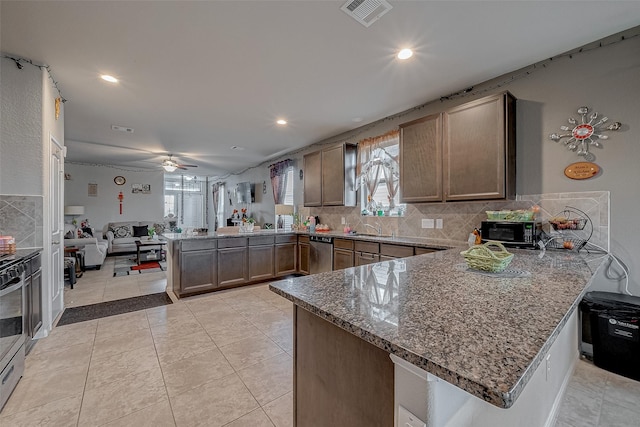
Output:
x,y
55,243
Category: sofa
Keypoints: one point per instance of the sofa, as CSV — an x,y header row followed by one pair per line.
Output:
x,y
94,250
122,236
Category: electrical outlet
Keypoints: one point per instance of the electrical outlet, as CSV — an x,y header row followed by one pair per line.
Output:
x,y
344,221
407,419
548,366
427,223
439,223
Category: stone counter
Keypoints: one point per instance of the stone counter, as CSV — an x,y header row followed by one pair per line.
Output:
x,y
483,334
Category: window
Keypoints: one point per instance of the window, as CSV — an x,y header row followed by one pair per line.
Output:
x,y
185,198
288,200
379,175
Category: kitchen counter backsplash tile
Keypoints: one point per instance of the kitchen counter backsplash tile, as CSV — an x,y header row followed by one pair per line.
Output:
x,y
460,218
482,334
21,217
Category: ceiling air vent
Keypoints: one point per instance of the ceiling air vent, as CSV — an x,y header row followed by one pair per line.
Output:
x,y
366,12
122,128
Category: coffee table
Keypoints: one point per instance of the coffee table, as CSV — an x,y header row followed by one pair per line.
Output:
x,y
150,250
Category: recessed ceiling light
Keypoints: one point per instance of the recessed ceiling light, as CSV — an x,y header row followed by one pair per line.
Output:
x,y
108,78
405,54
281,122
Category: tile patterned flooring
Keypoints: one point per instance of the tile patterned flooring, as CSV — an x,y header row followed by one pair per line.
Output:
x,y
221,359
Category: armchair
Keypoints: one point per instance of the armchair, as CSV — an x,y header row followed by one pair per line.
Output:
x,y
95,251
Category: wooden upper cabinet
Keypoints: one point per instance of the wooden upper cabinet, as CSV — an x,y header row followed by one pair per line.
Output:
x,y
479,149
465,153
313,179
421,160
329,176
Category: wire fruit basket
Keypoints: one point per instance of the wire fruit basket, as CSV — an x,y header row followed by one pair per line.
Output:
x,y
481,257
573,229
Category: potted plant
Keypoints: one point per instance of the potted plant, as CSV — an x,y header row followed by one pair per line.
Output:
x,y
247,224
152,232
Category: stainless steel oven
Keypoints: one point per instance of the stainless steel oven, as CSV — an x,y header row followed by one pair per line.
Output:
x,y
12,333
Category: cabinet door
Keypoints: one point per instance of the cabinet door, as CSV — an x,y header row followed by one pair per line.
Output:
x,y
313,179
333,176
198,271
286,258
475,150
421,160
35,321
342,259
232,266
303,257
364,258
261,262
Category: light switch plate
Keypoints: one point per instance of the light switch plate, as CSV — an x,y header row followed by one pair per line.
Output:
x,y
407,419
344,221
439,223
427,223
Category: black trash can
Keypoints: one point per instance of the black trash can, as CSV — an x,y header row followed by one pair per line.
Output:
x,y
611,323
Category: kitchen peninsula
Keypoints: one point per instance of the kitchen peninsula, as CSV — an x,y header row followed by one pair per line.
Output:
x,y
215,261
509,343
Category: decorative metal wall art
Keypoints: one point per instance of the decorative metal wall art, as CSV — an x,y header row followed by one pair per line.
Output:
x,y
586,132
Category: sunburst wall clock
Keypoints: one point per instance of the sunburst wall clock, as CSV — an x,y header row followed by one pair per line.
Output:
x,y
585,132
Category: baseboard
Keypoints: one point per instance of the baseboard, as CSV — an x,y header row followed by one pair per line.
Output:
x,y
553,414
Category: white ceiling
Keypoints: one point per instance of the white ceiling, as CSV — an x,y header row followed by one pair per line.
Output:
x,y
199,77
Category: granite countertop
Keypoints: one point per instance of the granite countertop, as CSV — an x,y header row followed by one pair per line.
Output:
x,y
398,240
483,334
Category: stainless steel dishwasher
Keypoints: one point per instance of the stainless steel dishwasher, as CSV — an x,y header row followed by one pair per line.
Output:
x,y
320,254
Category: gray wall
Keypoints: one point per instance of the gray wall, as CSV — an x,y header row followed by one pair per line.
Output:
x,y
105,208
21,129
604,79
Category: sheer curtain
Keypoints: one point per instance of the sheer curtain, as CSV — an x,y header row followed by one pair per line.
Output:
x,y
373,158
216,201
279,180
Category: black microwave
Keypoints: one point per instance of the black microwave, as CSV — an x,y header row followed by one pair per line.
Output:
x,y
517,234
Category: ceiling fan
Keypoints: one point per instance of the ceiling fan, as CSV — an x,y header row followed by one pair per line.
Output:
x,y
171,165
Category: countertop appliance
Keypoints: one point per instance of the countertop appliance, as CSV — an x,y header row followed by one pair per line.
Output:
x,y
320,254
12,334
515,234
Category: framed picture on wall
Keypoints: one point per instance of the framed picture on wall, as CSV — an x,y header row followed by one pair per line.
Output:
x,y
141,188
92,190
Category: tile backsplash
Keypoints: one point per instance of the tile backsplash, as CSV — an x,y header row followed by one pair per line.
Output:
x,y
21,217
460,218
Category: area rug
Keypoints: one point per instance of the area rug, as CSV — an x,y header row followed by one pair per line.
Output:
x,y
111,308
126,265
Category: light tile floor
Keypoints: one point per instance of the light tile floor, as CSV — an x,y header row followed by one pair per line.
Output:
x,y
598,398
221,359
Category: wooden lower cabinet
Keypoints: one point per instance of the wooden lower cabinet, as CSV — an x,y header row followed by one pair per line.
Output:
x,y
286,258
339,379
303,257
261,262
198,271
364,258
342,258
232,266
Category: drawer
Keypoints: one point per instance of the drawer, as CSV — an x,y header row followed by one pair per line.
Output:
x,y
261,240
197,245
396,251
370,247
291,238
234,242
420,251
343,244
303,239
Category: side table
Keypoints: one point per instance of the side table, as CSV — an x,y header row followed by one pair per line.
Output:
x,y
78,254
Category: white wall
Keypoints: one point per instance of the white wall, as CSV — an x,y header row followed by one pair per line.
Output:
x,y
105,207
604,79
21,129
